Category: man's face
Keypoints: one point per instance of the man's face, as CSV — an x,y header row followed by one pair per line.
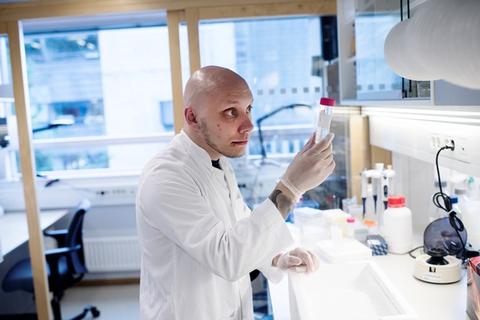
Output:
x,y
226,123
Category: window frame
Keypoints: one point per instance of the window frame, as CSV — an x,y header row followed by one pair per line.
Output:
x,y
95,24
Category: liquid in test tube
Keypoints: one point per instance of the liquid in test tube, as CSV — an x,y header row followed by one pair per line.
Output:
x,y
324,118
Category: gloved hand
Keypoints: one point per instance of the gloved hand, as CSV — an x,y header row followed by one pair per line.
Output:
x,y
310,167
296,258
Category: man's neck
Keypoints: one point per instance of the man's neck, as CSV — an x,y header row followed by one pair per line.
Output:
x,y
202,144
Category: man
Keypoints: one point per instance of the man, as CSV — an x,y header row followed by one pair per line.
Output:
x,y
198,239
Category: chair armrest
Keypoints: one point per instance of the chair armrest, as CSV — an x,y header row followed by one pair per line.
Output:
x,y
52,256
59,252
59,235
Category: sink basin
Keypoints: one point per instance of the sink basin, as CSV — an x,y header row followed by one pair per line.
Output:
x,y
347,291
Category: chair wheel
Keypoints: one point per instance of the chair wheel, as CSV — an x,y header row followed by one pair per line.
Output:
x,y
95,312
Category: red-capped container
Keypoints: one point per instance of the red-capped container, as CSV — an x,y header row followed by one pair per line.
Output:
x,y
397,225
324,118
396,201
327,102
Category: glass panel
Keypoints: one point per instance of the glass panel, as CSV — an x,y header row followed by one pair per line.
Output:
x,y
5,70
263,52
375,79
6,110
278,59
123,157
109,82
13,225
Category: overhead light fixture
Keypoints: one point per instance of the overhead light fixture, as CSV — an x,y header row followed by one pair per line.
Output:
x,y
440,41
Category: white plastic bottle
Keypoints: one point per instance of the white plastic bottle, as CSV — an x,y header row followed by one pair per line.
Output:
x,y
455,206
470,206
397,225
462,197
324,118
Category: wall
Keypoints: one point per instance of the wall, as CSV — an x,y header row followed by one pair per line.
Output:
x,y
415,180
414,137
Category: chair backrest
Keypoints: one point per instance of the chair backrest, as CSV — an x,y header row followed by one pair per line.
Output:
x,y
74,237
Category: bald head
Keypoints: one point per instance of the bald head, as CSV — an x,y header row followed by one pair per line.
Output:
x,y
210,82
217,112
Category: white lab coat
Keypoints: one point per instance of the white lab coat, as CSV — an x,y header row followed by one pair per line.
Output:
x,y
198,239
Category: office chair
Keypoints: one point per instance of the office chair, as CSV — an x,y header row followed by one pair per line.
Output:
x,y
65,265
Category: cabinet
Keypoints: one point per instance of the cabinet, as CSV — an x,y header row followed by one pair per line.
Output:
x,y
364,76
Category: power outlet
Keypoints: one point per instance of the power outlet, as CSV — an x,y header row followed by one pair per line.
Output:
x,y
115,192
461,151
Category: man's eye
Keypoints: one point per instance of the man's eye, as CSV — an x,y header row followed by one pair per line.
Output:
x,y
230,113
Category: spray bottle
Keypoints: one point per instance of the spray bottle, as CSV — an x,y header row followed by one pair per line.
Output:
x,y
324,118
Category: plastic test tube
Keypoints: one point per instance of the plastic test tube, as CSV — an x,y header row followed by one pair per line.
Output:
x,y
324,119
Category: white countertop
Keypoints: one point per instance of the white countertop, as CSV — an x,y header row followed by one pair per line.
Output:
x,y
14,228
429,301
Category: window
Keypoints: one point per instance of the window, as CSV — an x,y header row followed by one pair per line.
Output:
x,y
373,73
278,58
100,99
264,52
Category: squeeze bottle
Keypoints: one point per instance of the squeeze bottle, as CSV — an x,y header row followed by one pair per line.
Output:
x,y
397,225
324,118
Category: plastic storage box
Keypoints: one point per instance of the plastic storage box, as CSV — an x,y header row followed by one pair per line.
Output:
x,y
348,291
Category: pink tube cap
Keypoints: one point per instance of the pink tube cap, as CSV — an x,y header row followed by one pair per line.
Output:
x,y
327,101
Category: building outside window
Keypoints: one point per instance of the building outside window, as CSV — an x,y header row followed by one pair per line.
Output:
x,y
111,83
277,57
112,86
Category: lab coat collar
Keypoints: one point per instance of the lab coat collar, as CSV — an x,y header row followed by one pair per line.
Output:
x,y
199,153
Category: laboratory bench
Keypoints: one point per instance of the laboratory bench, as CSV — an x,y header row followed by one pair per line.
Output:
x,y
429,301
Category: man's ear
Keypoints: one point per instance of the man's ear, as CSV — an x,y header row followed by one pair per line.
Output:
x,y
190,117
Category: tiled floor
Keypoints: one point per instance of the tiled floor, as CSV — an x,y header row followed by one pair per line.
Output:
x,y
116,302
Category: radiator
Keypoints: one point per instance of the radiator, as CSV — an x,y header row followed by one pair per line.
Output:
x,y
110,254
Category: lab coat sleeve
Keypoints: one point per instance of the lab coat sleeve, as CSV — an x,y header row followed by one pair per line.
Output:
x,y
171,201
272,273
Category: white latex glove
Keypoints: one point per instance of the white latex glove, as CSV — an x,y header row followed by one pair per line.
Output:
x,y
296,259
310,167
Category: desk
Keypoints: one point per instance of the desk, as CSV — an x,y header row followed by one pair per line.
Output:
x,y
14,229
